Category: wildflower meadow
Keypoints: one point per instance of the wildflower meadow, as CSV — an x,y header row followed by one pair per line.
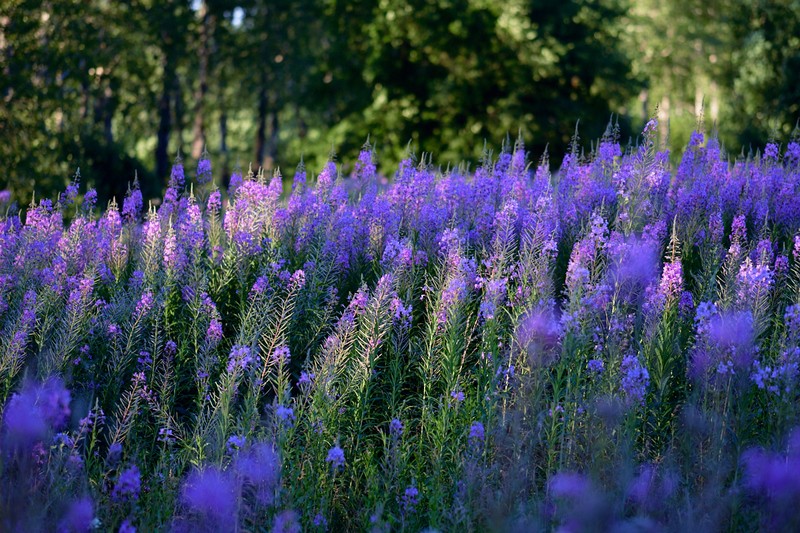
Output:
x,y
612,346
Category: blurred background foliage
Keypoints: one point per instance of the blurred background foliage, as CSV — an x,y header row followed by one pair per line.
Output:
x,y
118,88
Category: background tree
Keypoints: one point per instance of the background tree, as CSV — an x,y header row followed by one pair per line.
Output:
x,y
449,75
120,87
764,71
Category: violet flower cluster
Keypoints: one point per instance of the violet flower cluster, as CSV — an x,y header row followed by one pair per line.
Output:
x,y
616,339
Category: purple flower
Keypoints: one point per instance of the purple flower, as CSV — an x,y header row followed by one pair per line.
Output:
x,y
771,151
686,303
671,283
90,199
126,527
214,201
204,170
487,310
754,280
773,478
335,457
235,442
170,347
634,261
738,234
733,334
235,182
635,378
569,485
476,433
297,281
79,516
92,418
285,414
410,499
214,331
781,265
176,177
281,355
261,285
145,304
63,439
260,469
190,226
458,396
306,378
30,413
70,193
770,473
704,313
286,522
239,357
359,301
640,488
132,204
54,400
172,254
540,333
596,366
144,358
320,521
777,378
401,312
165,435
793,151
396,427
211,494
128,485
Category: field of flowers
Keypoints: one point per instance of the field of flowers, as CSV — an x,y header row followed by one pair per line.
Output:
x,y
612,347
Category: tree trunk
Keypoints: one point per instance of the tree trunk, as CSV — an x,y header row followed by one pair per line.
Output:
x,y
223,132
261,131
272,144
165,121
199,130
110,107
179,109
223,140
223,119
104,112
714,108
663,119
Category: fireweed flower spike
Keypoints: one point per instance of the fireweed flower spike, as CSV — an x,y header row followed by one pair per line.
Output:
x,y
204,168
286,522
128,485
133,202
396,427
635,378
176,178
235,443
410,499
476,434
260,470
79,516
239,358
214,201
335,457
486,313
210,496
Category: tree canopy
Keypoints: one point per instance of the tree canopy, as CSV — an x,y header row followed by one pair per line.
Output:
x,y
118,88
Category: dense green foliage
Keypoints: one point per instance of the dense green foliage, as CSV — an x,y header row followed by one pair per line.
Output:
x,y
114,87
